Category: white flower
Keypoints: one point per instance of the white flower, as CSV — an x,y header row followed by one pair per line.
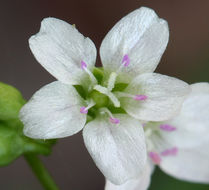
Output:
x,y
130,53
179,146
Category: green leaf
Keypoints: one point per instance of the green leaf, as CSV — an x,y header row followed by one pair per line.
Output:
x,y
13,143
11,101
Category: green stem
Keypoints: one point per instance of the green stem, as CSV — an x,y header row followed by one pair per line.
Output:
x,y
41,172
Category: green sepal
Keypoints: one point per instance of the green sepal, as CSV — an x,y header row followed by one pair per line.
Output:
x,y
11,101
99,74
81,91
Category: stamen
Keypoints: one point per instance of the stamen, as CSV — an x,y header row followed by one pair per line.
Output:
x,y
91,76
167,127
170,152
113,75
155,157
84,109
83,65
138,97
112,118
126,60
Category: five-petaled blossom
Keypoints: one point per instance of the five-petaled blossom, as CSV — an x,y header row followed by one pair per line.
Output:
x,y
107,103
180,145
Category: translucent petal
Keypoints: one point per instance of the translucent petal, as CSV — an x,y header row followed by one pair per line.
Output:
x,y
142,182
60,48
53,112
192,123
189,164
165,96
142,36
118,149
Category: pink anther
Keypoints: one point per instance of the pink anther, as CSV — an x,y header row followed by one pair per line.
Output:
x,y
155,157
170,152
114,120
126,60
140,97
83,110
83,65
167,127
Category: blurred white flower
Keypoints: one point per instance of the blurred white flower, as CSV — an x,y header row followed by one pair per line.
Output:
x,y
126,85
180,147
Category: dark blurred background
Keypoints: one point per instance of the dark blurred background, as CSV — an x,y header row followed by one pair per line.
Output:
x,y
187,57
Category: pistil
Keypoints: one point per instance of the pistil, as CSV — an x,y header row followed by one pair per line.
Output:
x,y
111,96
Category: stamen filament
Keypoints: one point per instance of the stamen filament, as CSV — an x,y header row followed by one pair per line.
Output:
x,y
91,76
170,152
112,118
113,75
138,97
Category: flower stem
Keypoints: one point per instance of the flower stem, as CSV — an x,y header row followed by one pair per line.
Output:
x,y
41,172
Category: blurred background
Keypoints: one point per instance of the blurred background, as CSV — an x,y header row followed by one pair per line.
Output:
x,y
187,57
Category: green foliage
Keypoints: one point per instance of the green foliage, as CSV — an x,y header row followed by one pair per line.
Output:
x,y
11,101
13,143
161,181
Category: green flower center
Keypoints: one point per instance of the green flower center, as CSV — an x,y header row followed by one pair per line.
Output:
x,y
102,93
100,100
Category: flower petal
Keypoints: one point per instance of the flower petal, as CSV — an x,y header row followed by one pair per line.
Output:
x,y
118,150
53,112
165,96
189,164
200,88
60,48
142,36
142,182
192,123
